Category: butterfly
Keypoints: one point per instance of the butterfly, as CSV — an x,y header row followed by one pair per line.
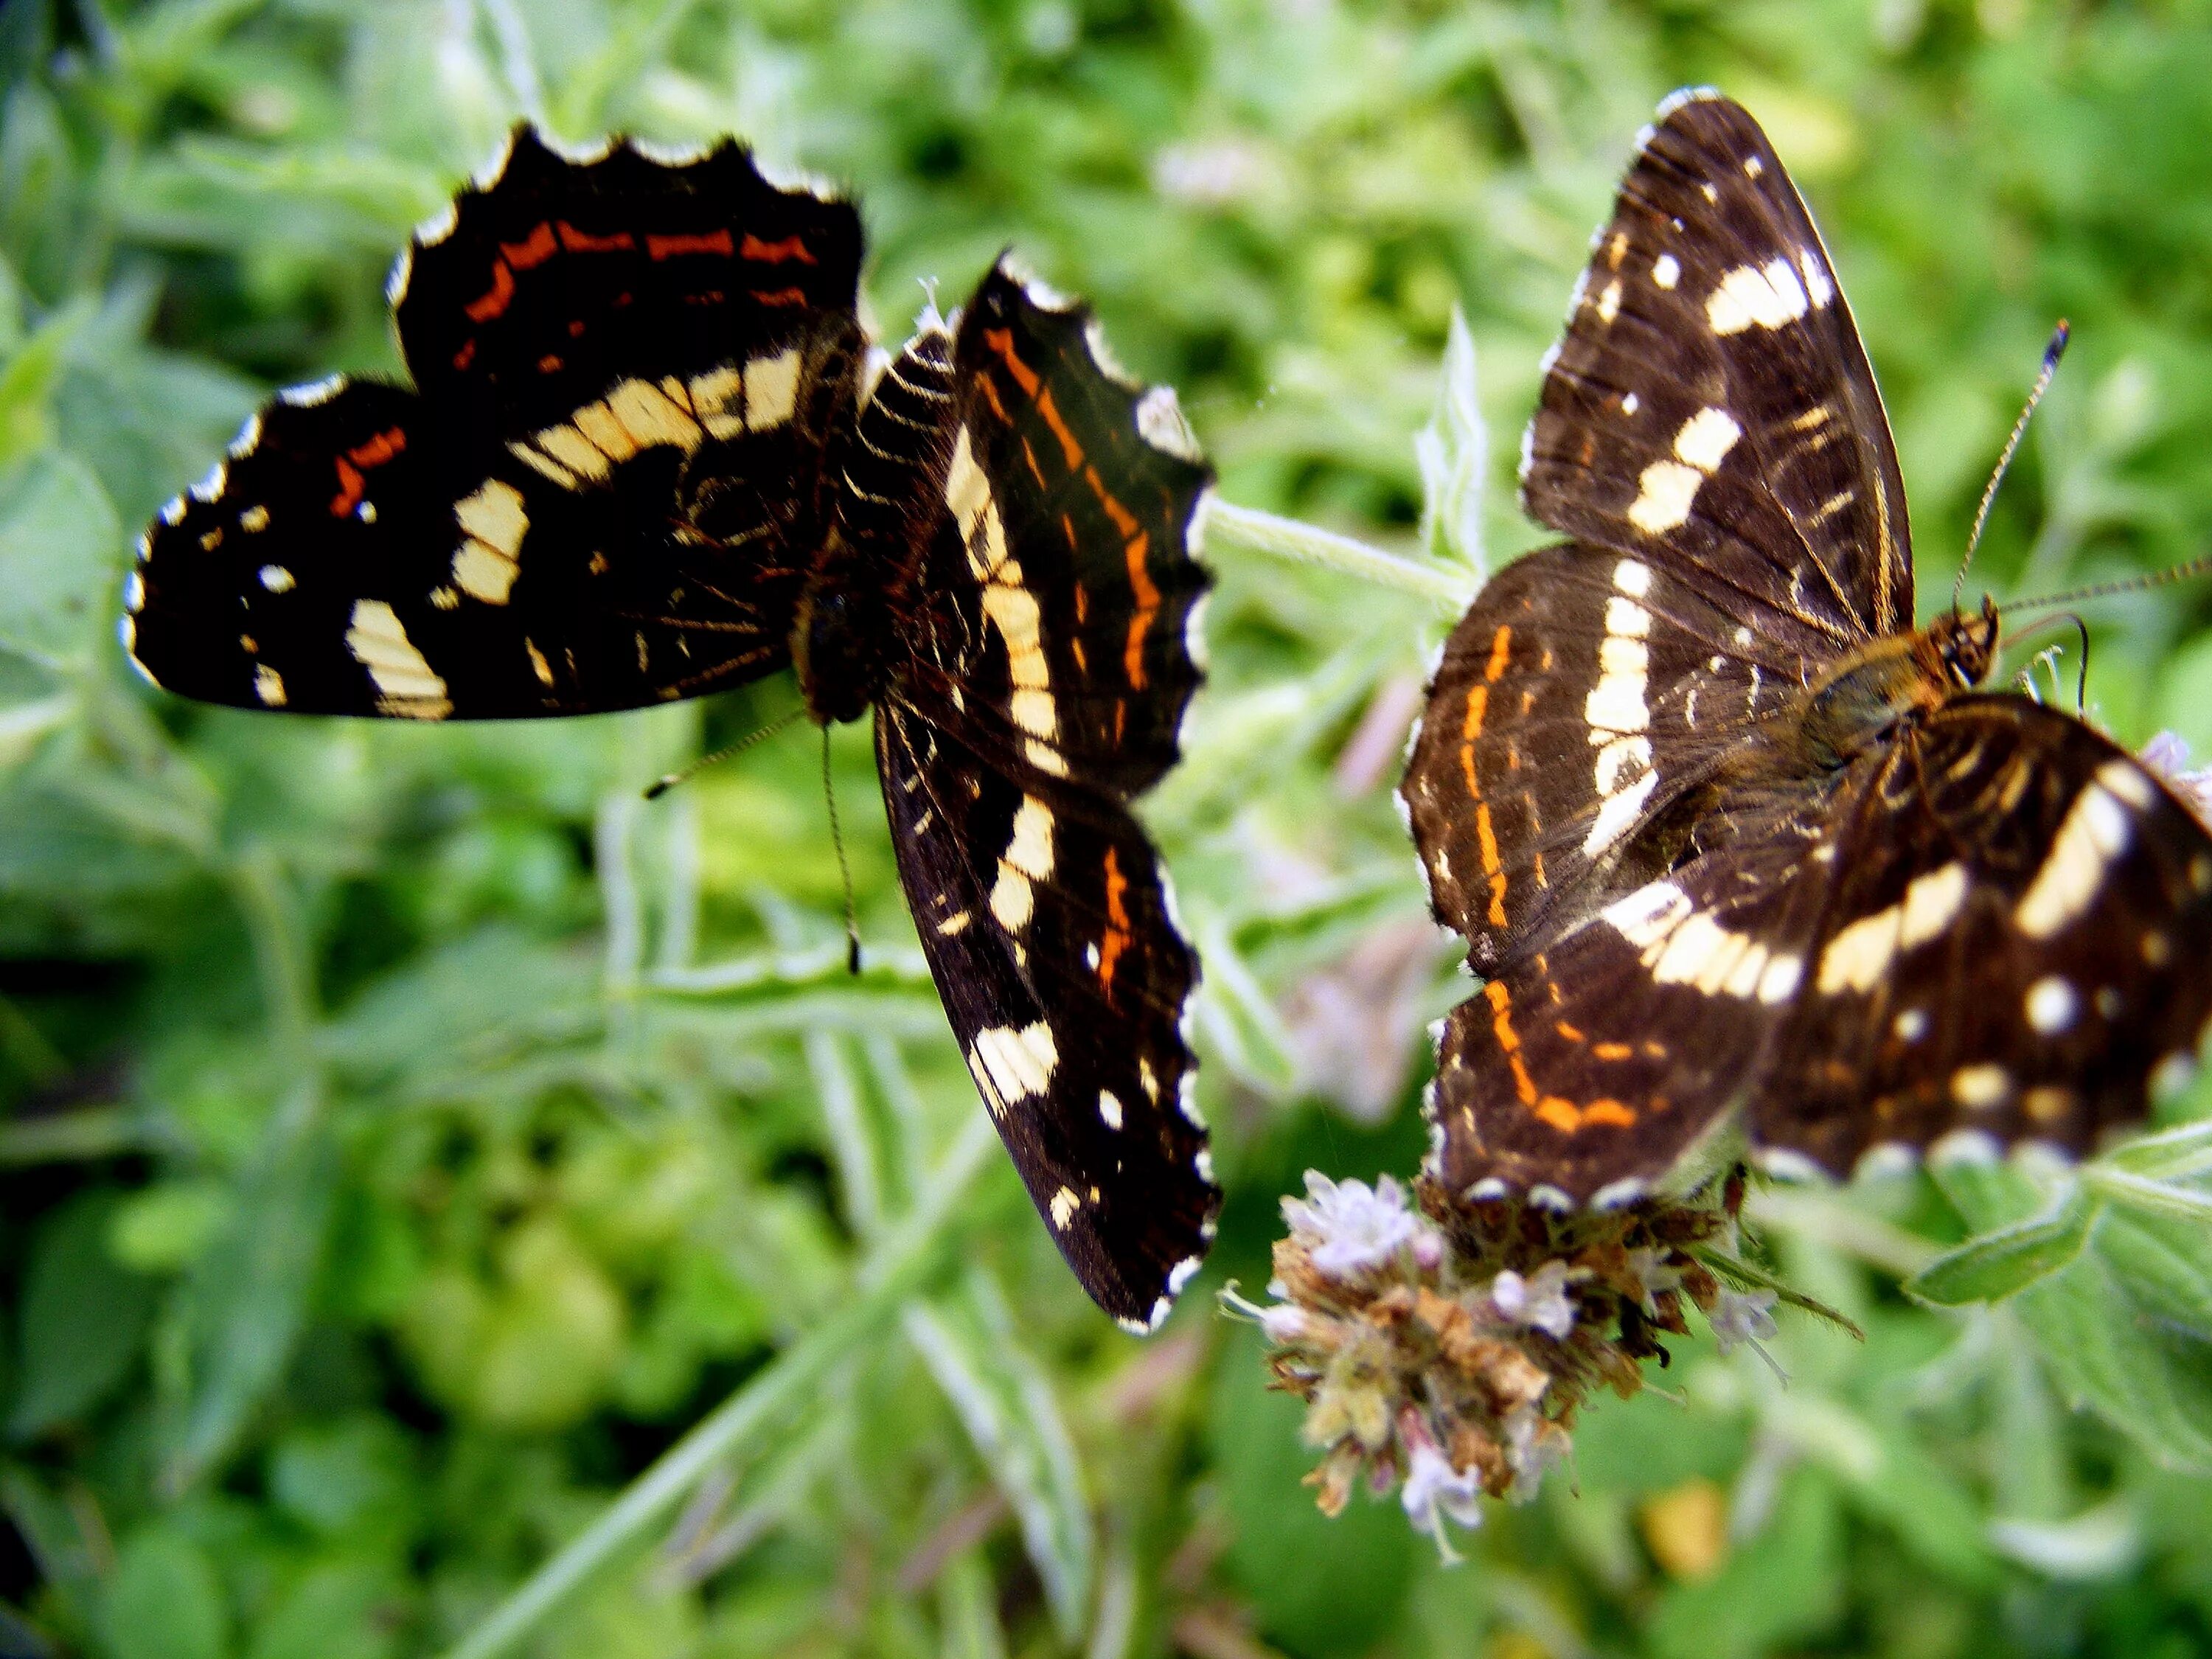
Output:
x,y
648,454
1737,848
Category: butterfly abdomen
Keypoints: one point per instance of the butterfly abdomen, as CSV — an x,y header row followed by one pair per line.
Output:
x,y
887,474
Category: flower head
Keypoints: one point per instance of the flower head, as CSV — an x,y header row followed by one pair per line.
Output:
x,y
1446,1348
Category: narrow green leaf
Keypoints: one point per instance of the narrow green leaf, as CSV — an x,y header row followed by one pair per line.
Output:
x,y
1996,1265
1454,453
1003,1400
246,1299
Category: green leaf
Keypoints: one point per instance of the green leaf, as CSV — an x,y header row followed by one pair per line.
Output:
x,y
1454,453
165,1601
969,1341
1996,1265
59,542
83,1319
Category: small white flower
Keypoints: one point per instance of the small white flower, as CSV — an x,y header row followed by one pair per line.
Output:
x,y
1654,1276
2167,755
1529,1451
1284,1323
1348,1228
1435,1491
1742,1316
1538,1302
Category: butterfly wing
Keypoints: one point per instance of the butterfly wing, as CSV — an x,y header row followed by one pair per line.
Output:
x,y
2019,940
1051,933
1049,662
1711,409
1589,1068
604,492
1584,692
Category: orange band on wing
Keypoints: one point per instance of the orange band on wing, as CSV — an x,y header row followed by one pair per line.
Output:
x,y
1118,934
775,253
664,248
490,304
534,249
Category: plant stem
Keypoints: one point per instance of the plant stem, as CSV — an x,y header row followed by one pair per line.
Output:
x,y
905,1260
1305,544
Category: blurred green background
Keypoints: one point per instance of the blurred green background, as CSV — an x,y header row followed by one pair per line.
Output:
x,y
407,1134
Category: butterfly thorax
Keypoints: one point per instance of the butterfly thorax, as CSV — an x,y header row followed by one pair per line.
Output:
x,y
842,634
1860,699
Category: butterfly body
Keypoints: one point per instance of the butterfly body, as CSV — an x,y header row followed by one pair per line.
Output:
x,y
1735,845
643,459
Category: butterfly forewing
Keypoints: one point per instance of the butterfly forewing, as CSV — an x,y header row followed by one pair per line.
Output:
x,y
605,494
1711,406
2015,943
1074,491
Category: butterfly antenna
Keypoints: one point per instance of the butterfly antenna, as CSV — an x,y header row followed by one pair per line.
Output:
x,y
2051,354
844,870
722,754
2196,567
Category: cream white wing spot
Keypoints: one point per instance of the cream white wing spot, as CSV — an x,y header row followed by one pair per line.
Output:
x,y
2094,832
1666,270
1858,956
1818,288
2052,1004
1013,1065
1109,1108
1980,1087
1667,489
771,390
268,686
254,519
1608,301
276,579
493,524
1065,1204
1616,710
1028,859
405,683
1911,1025
538,665
1768,296
718,400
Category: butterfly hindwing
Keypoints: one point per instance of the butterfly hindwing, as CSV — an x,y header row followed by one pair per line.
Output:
x,y
1711,406
1048,928
2016,943
605,493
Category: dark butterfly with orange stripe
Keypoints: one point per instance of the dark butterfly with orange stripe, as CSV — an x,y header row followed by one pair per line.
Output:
x,y
646,455
1740,853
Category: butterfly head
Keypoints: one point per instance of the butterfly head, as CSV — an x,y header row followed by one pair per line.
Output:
x,y
1962,647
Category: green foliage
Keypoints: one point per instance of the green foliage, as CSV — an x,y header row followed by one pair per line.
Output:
x,y
407,1136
